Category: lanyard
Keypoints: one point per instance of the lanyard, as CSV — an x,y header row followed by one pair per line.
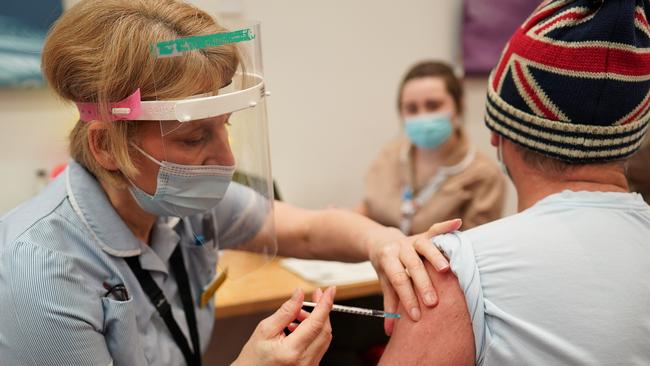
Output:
x,y
158,299
411,203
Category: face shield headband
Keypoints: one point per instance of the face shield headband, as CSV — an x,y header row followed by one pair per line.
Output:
x,y
183,110
190,108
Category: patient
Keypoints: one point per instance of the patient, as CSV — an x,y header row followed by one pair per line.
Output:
x,y
564,281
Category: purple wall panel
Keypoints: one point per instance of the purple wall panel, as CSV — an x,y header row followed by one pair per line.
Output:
x,y
487,26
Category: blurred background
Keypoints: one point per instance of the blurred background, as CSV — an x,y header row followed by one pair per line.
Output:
x,y
333,69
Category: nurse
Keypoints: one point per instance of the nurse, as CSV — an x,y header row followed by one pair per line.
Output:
x,y
432,172
107,265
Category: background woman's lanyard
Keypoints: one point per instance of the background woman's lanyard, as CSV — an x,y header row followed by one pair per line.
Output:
x,y
159,301
411,203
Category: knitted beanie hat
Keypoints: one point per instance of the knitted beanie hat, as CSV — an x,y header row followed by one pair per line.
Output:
x,y
573,82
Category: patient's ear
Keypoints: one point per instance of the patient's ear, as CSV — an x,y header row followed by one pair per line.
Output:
x,y
99,144
494,139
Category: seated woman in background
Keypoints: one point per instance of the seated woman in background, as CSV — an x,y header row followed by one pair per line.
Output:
x,y
433,173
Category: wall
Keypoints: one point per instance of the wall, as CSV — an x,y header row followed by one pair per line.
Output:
x,y
33,131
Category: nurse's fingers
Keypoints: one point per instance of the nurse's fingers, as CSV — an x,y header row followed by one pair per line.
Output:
x,y
390,305
290,310
444,227
292,327
316,295
418,273
429,251
320,345
401,282
308,330
302,315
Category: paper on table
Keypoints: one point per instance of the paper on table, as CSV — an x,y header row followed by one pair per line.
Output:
x,y
328,273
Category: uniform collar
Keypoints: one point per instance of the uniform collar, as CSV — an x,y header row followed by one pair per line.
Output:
x,y
91,204
164,239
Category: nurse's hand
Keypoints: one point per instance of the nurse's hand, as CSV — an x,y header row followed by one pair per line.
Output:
x,y
399,267
307,342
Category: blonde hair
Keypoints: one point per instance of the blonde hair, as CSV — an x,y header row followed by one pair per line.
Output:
x,y
99,51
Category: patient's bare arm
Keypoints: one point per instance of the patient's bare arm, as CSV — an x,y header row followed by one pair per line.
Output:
x,y
444,334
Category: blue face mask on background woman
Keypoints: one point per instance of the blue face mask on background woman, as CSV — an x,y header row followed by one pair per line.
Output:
x,y
428,131
184,190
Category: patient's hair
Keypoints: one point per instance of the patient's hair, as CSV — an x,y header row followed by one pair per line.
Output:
x,y
552,166
100,51
438,70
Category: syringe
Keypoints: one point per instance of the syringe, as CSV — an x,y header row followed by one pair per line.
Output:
x,y
355,310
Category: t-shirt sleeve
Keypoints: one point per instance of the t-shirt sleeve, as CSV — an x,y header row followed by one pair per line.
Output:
x,y
460,251
240,215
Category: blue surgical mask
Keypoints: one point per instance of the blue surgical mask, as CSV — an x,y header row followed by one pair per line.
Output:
x,y
428,131
184,190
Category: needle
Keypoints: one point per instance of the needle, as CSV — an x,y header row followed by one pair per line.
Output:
x,y
355,310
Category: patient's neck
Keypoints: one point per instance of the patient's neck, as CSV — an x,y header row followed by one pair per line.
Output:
x,y
533,185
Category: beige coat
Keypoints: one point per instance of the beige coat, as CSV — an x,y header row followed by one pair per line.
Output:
x,y
475,193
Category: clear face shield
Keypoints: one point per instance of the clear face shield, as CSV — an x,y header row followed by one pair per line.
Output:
x,y
215,172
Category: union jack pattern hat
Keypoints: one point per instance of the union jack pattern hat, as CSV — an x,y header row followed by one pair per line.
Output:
x,y
573,82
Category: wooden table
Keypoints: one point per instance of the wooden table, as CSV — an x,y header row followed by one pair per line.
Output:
x,y
267,287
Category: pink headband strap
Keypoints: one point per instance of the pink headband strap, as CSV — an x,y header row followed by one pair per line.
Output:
x,y
125,109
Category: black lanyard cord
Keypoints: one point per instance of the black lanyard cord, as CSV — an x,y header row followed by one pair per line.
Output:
x,y
159,301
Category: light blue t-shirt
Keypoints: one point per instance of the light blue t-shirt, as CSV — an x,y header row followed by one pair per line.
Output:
x,y
565,282
57,251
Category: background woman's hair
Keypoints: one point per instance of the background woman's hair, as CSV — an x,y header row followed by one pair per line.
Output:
x,y
437,69
99,51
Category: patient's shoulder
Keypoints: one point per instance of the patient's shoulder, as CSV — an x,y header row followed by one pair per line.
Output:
x,y
444,334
